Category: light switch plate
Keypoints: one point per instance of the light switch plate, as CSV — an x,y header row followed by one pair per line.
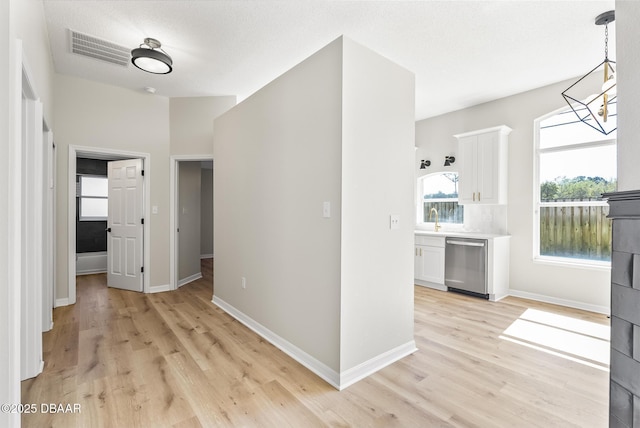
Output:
x,y
326,209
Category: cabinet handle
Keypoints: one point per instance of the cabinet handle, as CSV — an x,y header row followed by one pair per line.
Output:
x,y
478,196
416,251
474,196
420,252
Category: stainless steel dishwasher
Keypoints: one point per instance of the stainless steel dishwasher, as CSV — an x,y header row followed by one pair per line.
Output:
x,y
465,266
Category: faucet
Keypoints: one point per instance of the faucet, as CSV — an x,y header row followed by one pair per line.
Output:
x,y
437,225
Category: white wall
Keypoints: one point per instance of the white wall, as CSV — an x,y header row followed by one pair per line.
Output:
x,y
189,214
587,288
192,122
337,128
270,181
377,181
103,116
628,66
19,21
206,218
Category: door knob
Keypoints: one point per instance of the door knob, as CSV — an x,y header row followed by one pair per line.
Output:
x,y
108,229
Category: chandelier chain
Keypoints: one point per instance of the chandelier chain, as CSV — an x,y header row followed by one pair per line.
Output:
x,y
606,41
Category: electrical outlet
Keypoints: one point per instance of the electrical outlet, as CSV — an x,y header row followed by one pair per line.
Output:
x,y
243,282
394,221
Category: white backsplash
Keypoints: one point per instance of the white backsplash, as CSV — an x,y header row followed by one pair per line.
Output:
x,y
485,218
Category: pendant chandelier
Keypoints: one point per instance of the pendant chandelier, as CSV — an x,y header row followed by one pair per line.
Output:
x,y
597,109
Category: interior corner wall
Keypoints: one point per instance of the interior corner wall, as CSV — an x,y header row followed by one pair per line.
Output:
x,y
191,124
189,182
97,115
628,66
580,287
206,218
378,120
29,25
277,160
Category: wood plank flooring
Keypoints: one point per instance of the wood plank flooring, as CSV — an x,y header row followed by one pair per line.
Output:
x,y
175,360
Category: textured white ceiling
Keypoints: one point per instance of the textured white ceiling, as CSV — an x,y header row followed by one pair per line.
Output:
x,y
463,53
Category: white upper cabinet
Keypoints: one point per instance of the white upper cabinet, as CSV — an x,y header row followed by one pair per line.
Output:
x,y
483,166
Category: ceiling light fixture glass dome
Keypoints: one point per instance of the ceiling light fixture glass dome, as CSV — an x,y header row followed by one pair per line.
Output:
x,y
151,58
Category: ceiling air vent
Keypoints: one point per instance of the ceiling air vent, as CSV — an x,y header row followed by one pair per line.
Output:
x,y
83,44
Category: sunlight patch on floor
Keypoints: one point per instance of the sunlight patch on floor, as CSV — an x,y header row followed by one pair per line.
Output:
x,y
577,340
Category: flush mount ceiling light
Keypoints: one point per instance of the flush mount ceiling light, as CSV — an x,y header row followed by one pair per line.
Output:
x,y
151,58
597,109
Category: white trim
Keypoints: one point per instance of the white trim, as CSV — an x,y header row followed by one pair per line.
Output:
x,y
359,372
322,370
194,277
561,302
31,231
429,284
339,381
62,302
173,212
160,288
537,204
89,263
569,263
206,256
10,152
74,152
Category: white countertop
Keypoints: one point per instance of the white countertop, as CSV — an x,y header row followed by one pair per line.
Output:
x,y
460,234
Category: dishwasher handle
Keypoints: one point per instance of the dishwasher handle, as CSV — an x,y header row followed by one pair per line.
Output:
x,y
466,243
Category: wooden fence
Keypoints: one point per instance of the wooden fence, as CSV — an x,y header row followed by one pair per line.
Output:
x,y
448,212
575,231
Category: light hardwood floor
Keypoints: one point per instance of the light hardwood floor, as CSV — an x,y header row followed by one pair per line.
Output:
x,y
175,360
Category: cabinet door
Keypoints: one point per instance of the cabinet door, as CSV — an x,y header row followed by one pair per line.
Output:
x,y
488,156
468,169
430,264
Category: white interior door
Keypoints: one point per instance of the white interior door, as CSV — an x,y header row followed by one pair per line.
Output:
x,y
125,225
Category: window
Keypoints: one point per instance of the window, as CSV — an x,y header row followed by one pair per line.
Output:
x,y
575,165
93,198
439,191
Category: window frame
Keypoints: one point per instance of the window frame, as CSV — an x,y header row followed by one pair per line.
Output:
x,y
420,204
80,197
538,204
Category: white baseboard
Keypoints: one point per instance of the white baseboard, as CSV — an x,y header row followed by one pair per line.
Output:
x,y
90,272
62,302
561,302
359,372
338,380
428,284
89,263
322,370
159,288
206,256
194,277
497,297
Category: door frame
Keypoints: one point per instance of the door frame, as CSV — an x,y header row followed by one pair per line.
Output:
x,y
111,154
27,173
173,213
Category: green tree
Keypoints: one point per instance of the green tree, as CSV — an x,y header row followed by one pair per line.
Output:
x,y
576,188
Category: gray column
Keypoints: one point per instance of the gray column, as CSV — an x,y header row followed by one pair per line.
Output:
x,y
624,398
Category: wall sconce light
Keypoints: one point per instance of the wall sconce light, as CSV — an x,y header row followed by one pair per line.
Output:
x,y
448,160
424,164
